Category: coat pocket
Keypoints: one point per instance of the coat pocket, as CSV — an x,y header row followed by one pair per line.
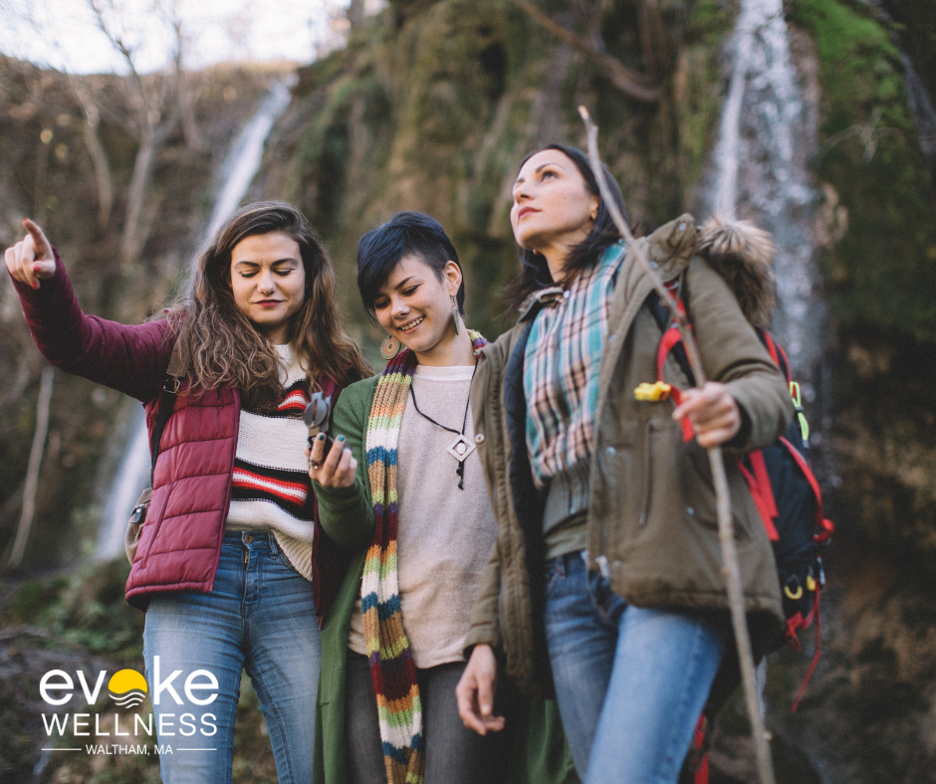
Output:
x,y
677,481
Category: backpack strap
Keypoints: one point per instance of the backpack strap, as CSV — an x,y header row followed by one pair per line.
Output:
x,y
824,526
815,659
779,357
758,482
166,404
672,343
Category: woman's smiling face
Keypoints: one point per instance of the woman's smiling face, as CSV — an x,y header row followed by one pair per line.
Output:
x,y
553,210
415,306
267,280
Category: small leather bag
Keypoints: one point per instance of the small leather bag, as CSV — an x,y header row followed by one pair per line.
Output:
x,y
164,409
135,526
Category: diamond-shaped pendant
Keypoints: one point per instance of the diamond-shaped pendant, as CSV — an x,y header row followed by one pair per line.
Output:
x,y
460,448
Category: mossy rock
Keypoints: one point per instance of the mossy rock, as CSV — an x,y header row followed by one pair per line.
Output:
x,y
883,269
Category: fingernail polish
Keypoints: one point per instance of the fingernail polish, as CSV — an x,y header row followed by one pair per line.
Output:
x,y
341,438
320,437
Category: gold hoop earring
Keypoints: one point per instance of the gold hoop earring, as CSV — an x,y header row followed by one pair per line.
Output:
x,y
390,347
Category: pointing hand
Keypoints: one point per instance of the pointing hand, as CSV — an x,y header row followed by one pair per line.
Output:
x,y
31,259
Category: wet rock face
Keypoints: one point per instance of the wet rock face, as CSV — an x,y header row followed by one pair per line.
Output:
x,y
869,713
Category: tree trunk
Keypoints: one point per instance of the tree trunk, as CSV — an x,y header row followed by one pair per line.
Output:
x,y
35,463
187,95
133,238
102,175
356,13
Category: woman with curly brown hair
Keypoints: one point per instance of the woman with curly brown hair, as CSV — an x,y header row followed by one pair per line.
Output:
x,y
230,567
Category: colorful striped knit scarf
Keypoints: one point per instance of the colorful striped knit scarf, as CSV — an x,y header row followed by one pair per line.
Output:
x,y
399,710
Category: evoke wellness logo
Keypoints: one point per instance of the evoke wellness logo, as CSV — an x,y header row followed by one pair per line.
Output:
x,y
127,689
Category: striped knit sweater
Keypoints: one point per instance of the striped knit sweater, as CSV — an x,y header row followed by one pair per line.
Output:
x,y
270,488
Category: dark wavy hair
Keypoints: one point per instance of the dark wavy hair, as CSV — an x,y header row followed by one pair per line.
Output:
x,y
220,346
534,273
406,233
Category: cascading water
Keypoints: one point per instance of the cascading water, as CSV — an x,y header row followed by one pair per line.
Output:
x,y
243,160
759,170
237,172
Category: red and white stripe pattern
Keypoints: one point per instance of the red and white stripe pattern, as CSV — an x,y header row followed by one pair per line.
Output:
x,y
295,401
283,488
270,489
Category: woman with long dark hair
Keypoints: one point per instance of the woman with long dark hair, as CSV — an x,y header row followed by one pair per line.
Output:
x,y
606,573
227,565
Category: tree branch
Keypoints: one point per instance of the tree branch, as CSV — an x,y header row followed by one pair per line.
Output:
x,y
630,82
722,496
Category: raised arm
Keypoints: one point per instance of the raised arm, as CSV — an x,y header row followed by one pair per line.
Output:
x,y
131,359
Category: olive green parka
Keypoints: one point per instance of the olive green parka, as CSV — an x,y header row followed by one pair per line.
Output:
x,y
651,522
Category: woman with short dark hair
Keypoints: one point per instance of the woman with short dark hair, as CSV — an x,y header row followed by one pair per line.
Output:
x,y
408,487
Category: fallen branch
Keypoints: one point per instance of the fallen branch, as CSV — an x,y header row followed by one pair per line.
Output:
x,y
722,496
630,82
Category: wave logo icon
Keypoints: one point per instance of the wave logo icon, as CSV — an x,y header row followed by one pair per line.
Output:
x,y
127,688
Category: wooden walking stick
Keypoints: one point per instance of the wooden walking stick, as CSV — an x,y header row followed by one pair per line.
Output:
x,y
720,480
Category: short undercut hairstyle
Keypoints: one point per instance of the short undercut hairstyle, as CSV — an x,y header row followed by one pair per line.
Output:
x,y
405,234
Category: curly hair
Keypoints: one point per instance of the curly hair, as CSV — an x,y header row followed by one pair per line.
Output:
x,y
219,345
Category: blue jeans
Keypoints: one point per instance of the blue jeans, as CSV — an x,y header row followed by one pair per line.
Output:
x,y
631,682
260,616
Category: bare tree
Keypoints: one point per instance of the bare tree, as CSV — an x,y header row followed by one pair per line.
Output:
x,y
630,82
102,173
157,104
32,471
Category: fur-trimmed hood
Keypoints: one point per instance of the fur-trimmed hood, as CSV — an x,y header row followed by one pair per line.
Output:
x,y
742,254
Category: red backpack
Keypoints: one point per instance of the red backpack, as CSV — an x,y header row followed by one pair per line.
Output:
x,y
787,496
784,489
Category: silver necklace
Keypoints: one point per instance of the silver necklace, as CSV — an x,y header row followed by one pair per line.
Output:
x,y
461,448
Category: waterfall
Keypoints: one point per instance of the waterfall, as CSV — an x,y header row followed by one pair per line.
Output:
x,y
236,174
243,161
759,171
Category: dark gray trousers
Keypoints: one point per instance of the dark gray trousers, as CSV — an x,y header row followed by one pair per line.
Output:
x,y
454,754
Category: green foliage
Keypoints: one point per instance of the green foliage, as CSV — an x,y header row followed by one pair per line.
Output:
x,y
698,88
883,270
85,610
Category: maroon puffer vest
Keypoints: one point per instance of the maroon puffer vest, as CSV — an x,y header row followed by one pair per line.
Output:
x,y
181,540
